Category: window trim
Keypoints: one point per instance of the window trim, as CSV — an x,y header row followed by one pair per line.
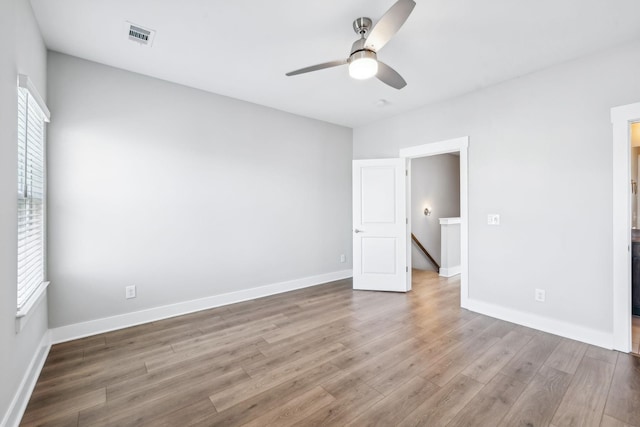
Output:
x,y
26,83
23,313
32,300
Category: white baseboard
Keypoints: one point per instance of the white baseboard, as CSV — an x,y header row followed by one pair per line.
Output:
x,y
556,327
20,400
449,272
98,326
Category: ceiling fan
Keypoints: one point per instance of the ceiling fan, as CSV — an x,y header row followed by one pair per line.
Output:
x,y
363,59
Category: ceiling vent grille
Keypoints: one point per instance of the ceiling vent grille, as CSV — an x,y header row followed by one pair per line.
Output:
x,y
140,35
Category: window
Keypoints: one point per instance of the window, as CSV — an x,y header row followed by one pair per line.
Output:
x,y
32,115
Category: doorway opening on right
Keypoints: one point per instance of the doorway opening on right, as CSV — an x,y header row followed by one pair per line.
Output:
x,y
435,225
435,214
635,236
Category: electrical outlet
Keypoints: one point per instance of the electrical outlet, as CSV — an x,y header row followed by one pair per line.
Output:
x,y
343,258
130,292
493,219
540,295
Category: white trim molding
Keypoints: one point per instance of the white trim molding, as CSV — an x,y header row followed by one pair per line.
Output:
x,y
556,327
24,314
448,221
20,400
622,117
454,145
434,148
449,272
26,83
98,326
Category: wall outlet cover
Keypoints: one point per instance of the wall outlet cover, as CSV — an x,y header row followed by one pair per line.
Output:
x,y
130,292
540,295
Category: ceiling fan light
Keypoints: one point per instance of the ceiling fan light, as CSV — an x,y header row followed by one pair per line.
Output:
x,y
363,68
363,65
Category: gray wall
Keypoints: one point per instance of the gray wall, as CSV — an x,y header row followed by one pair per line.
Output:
x,y
540,155
435,183
184,193
21,51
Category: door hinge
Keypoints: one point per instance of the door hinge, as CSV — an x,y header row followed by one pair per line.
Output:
x,y
406,221
406,172
406,269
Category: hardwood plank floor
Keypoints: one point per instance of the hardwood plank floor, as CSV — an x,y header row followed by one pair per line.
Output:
x,y
328,355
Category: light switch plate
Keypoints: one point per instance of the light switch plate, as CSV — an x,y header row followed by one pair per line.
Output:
x,y
493,219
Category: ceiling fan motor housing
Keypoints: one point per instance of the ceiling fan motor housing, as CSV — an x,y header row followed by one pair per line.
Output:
x,y
358,46
361,26
362,53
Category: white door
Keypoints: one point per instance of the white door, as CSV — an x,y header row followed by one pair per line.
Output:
x,y
379,225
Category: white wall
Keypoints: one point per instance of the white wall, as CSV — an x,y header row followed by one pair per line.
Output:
x,y
21,51
183,193
540,155
435,183
635,151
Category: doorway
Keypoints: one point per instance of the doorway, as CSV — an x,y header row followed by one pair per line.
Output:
x,y
623,118
453,146
435,213
634,139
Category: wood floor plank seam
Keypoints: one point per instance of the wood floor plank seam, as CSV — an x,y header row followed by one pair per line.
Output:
x,y
608,392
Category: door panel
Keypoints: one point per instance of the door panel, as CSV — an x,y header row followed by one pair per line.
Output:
x,y
378,255
379,225
378,189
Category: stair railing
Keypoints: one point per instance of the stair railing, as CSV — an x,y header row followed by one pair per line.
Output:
x,y
424,251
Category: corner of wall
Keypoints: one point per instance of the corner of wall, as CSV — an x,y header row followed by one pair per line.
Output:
x,y
94,327
16,409
552,326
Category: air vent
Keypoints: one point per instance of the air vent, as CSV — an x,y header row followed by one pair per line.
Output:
x,y
141,35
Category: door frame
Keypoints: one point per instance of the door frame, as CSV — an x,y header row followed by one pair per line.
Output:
x,y
460,145
621,118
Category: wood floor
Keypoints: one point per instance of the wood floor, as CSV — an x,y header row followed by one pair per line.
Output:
x,y
328,355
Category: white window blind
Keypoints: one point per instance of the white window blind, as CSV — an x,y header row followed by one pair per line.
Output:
x,y
31,194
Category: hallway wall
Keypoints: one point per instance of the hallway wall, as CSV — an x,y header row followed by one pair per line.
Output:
x,y
435,183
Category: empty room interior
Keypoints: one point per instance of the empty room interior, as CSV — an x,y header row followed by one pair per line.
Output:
x,y
387,212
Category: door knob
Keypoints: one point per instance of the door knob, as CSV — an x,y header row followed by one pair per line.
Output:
x,y
357,231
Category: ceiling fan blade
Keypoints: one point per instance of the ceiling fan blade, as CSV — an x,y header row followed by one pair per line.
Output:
x,y
390,76
317,67
389,24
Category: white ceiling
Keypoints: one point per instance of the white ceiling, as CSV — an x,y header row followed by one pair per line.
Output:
x,y
243,48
